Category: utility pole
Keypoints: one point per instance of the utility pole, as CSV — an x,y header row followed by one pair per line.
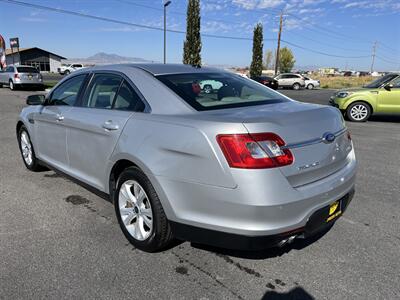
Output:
x,y
373,56
166,3
279,44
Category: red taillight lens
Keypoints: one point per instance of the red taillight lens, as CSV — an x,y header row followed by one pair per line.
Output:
x,y
254,151
16,76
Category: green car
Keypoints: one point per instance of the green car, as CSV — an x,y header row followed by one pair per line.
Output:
x,y
380,96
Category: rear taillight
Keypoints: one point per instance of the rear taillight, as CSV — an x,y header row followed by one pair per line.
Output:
x,y
265,82
254,151
16,76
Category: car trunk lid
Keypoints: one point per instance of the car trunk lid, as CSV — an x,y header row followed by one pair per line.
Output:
x,y
316,136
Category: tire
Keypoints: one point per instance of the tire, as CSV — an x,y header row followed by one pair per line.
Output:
x,y
310,86
358,112
1,85
296,86
11,85
67,72
143,222
207,89
27,151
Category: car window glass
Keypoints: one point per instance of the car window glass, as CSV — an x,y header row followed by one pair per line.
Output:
x,y
127,99
67,92
27,70
209,91
396,83
102,91
10,69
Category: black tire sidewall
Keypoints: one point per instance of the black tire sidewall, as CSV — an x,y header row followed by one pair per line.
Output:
x,y
35,165
296,86
348,115
151,244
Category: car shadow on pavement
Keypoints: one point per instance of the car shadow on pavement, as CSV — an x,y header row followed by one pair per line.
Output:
x,y
385,118
297,293
297,244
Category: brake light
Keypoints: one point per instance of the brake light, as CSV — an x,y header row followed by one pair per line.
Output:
x,y
16,76
265,82
254,151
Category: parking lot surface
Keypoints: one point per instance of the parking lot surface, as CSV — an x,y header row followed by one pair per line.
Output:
x,y
58,240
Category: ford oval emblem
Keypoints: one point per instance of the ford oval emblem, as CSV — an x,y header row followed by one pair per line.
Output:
x,y
328,138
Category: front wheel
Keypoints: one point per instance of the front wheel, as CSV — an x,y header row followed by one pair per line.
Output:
x,y
310,86
140,213
358,112
27,151
207,89
296,86
11,85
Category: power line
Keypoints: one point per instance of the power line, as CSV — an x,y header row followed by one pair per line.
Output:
x,y
322,53
84,15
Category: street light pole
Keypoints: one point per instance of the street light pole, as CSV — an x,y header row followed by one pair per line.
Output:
x,y
166,3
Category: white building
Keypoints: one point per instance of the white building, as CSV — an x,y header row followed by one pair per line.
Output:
x,y
43,60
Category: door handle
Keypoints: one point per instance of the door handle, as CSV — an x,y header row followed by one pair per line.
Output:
x,y
108,125
60,117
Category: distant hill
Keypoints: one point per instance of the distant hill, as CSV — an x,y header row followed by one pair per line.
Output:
x,y
102,58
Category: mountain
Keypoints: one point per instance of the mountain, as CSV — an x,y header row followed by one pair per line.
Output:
x,y
102,58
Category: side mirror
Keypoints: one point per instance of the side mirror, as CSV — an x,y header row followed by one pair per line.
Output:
x,y
35,99
388,87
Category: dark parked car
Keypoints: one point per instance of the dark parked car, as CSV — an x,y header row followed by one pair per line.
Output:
x,y
267,81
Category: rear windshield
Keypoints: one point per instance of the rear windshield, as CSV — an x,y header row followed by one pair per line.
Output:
x,y
27,70
210,91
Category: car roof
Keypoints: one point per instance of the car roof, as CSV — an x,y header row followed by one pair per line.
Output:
x,y
162,69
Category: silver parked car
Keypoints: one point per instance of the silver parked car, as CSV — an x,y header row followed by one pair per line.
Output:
x,y
21,76
290,80
240,166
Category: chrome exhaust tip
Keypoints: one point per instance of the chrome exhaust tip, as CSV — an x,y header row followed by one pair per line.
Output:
x,y
287,241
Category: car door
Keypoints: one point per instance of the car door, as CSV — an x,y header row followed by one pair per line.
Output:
x,y
6,75
389,100
283,80
95,126
49,127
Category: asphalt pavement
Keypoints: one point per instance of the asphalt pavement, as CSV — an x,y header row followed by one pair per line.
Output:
x,y
58,240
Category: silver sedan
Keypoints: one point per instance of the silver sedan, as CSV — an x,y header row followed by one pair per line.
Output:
x,y
240,166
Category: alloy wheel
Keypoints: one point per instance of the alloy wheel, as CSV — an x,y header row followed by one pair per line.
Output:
x,y
135,210
26,148
359,112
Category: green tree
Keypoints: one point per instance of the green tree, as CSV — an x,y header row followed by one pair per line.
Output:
x,y
256,66
286,60
192,44
269,57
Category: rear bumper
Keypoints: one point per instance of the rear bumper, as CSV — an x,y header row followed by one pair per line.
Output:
x,y
264,204
315,224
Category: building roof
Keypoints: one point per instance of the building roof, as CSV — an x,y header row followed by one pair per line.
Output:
x,y
9,52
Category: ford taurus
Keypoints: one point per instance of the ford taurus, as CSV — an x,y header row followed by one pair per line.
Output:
x,y
238,166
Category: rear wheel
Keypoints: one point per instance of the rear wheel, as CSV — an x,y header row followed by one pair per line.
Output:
x,y
140,213
358,112
296,86
310,86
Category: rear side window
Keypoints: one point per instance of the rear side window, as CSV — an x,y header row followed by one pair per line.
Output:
x,y
27,70
127,99
210,91
67,92
10,70
102,91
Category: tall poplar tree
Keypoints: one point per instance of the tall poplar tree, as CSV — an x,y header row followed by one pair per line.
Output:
x,y
192,44
256,66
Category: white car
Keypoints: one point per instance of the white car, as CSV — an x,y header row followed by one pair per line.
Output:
x,y
311,83
208,86
68,69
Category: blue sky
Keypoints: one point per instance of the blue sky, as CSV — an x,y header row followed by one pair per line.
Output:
x,y
346,28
